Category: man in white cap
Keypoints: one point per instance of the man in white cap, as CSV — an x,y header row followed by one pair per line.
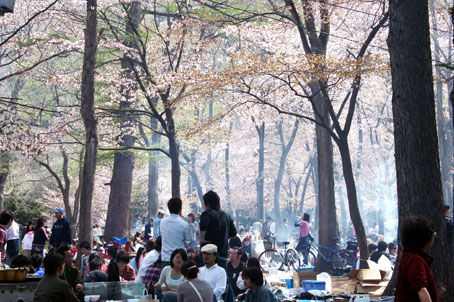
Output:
x,y
211,272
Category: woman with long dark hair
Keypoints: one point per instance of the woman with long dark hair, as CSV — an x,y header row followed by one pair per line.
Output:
x,y
40,237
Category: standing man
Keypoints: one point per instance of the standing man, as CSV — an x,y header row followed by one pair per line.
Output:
x,y
216,226
147,234
157,224
13,243
175,232
6,219
61,230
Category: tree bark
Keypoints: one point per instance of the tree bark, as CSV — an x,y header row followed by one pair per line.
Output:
x,y
228,191
153,173
117,221
260,182
419,186
278,182
87,111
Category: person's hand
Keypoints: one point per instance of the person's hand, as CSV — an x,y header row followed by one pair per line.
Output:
x,y
79,288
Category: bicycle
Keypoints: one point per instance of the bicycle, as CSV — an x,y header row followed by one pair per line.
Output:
x,y
274,258
341,260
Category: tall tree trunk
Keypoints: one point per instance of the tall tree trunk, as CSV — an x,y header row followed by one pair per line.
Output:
x,y
174,153
445,157
117,221
153,173
328,226
87,110
4,172
228,192
278,182
260,176
419,185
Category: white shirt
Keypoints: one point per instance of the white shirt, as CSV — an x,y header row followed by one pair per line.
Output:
x,y
175,234
217,278
28,240
13,231
148,260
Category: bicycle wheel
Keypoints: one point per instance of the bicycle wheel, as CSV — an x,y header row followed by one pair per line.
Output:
x,y
311,259
292,259
343,260
271,258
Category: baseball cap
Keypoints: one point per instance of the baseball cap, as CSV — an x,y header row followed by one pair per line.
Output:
x,y
59,210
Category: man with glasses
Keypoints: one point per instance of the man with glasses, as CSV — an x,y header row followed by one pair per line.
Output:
x,y
71,273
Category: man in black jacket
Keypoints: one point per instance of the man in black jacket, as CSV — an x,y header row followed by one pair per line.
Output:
x,y
61,230
216,226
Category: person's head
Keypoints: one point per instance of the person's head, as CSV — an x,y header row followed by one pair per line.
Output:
x,y
306,217
122,260
36,260
112,252
235,242
268,219
54,264
175,204
101,238
150,245
59,213
382,246
252,277
177,258
392,248
67,255
253,262
6,219
190,270
236,254
20,261
209,254
212,200
447,207
30,226
158,244
95,264
246,241
285,221
85,248
160,213
372,248
191,217
417,233
40,222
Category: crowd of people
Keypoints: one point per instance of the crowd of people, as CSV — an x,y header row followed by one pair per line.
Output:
x,y
193,259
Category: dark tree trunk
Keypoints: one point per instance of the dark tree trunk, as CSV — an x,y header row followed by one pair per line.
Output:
x,y
117,221
228,192
153,173
4,172
87,111
328,226
260,182
280,175
174,153
419,185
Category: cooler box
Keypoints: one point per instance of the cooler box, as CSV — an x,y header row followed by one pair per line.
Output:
x,y
306,268
308,285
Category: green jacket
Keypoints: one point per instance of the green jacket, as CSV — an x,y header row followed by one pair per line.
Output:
x,y
53,289
72,276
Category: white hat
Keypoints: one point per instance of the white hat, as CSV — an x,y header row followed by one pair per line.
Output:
x,y
209,248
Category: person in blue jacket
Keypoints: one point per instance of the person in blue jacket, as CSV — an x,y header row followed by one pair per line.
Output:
x,y
61,230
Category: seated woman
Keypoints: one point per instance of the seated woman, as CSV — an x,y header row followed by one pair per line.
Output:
x,y
415,280
194,289
171,276
51,288
253,280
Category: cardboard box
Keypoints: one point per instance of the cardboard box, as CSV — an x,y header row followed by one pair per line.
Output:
x,y
303,275
371,290
367,274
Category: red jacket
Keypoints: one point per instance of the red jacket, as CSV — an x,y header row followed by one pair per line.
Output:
x,y
414,273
